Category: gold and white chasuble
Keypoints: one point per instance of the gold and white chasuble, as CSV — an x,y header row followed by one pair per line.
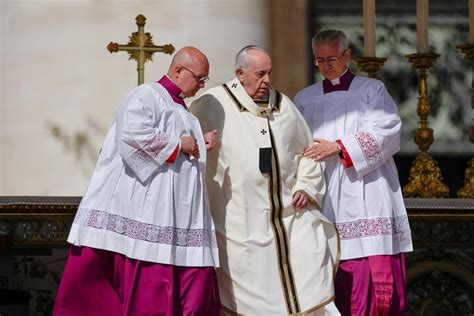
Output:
x,y
274,259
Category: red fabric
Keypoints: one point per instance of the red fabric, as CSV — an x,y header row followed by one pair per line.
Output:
x,y
173,156
344,155
98,282
372,286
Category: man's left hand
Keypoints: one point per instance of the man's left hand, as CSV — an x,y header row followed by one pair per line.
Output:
x,y
321,149
210,139
300,199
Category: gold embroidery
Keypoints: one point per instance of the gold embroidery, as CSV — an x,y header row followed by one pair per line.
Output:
x,y
279,231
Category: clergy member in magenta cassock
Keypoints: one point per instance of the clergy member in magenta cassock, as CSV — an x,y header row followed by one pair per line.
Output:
x,y
278,253
356,130
143,240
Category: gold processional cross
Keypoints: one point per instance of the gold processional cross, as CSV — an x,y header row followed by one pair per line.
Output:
x,y
140,47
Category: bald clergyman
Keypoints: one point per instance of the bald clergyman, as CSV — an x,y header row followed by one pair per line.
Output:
x,y
143,240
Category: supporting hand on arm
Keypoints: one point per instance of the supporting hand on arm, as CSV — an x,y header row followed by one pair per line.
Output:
x,y
321,149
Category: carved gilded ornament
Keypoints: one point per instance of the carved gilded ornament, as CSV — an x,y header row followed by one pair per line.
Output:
x,y
369,65
425,179
37,220
467,191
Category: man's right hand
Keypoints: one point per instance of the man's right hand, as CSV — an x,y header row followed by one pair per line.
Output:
x,y
189,146
300,199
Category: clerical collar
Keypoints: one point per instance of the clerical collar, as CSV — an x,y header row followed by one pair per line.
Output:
x,y
341,83
174,91
338,79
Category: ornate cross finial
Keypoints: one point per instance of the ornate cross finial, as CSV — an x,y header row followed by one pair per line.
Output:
x,y
140,47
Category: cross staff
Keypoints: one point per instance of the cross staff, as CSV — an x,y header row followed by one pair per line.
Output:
x,y
140,47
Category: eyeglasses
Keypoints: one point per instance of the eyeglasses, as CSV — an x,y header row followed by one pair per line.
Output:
x,y
331,61
199,79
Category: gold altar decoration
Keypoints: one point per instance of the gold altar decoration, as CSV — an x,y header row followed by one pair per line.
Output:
x,y
467,191
369,65
140,47
31,221
425,179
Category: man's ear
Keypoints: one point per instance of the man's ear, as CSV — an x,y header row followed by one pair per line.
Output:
x,y
347,56
239,72
349,53
177,70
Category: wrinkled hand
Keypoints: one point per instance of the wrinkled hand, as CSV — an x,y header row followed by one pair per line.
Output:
x,y
300,199
189,146
321,149
210,139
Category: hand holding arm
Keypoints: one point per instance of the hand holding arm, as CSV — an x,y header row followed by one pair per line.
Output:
x,y
321,149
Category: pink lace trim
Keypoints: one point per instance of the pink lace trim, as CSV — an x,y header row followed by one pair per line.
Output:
x,y
374,227
148,232
370,148
144,155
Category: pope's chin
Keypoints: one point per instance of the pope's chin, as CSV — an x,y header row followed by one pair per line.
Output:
x,y
261,94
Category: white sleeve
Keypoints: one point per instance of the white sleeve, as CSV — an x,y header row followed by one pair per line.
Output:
x,y
145,135
309,178
378,138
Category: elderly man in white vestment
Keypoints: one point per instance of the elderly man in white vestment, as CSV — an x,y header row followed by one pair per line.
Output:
x,y
356,127
143,237
278,253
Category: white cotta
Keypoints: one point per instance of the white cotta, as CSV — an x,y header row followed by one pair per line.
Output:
x,y
275,259
139,205
364,201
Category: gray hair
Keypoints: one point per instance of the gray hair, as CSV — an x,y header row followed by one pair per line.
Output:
x,y
241,57
327,36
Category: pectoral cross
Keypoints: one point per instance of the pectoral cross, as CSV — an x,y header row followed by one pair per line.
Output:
x,y
140,47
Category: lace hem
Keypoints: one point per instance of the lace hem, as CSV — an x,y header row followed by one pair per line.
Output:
x,y
147,232
374,227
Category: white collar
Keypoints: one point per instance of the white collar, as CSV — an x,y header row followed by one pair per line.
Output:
x,y
338,79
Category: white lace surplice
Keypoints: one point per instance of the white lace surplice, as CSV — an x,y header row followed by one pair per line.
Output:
x,y
365,201
139,205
